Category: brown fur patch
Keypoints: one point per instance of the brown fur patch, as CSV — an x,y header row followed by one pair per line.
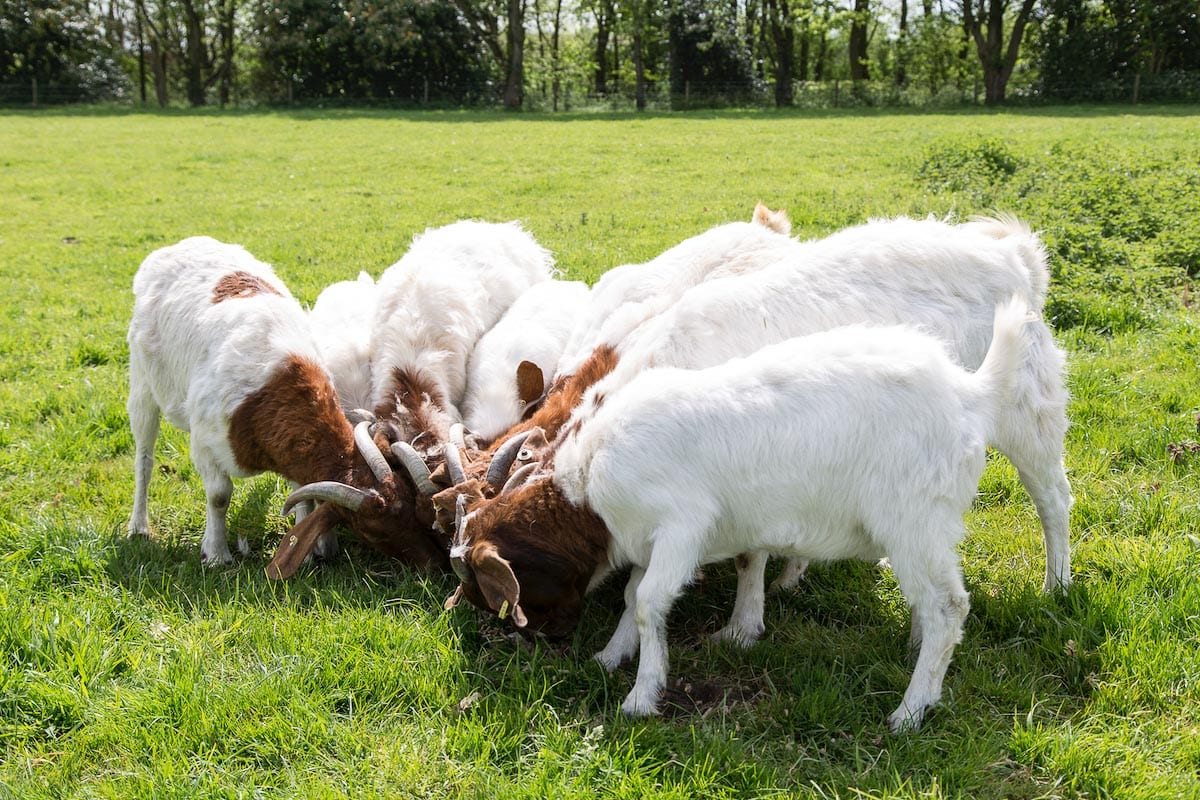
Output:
x,y
561,399
554,548
240,285
414,403
294,426
530,382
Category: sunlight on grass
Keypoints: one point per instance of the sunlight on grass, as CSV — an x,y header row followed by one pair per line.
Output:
x,y
129,670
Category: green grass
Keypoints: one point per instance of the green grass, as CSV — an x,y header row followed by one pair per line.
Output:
x,y
129,671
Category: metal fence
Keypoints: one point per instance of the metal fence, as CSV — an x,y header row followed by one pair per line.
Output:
x,y
1175,87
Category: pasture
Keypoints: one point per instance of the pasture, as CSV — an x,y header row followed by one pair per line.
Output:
x,y
128,670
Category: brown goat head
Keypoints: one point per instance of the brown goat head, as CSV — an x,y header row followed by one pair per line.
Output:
x,y
528,555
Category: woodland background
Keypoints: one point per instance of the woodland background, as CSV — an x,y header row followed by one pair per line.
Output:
x,y
571,55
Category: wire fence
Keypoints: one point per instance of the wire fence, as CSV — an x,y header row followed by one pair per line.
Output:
x,y
1175,87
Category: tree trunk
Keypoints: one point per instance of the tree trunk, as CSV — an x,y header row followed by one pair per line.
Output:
x,y
639,71
858,40
902,45
225,87
783,36
605,19
195,52
556,83
141,55
514,83
986,28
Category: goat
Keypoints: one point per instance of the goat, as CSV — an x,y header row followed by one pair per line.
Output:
x,y
527,343
623,298
628,295
449,289
341,323
944,278
857,442
218,346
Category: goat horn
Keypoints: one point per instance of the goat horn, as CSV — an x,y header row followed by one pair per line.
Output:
x,y
503,460
334,492
454,467
370,451
416,467
517,478
458,435
357,415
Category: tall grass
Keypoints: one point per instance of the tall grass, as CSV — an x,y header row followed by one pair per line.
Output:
x,y
128,670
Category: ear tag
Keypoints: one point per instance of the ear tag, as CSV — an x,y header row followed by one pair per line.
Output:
x,y
503,610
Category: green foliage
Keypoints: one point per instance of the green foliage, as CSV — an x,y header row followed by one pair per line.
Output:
x,y
129,670
60,44
975,165
400,50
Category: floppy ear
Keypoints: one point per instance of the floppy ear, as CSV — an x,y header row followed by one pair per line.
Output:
x,y
498,584
299,542
531,385
453,599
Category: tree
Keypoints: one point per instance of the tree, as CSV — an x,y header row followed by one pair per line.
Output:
x,y
707,54
858,40
411,50
782,28
984,21
58,45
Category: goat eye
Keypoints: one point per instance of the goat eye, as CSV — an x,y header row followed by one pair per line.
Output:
x,y
524,455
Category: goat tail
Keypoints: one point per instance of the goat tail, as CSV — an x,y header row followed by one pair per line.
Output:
x,y
999,372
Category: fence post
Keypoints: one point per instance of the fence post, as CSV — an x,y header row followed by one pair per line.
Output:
x,y
1137,86
35,99
836,88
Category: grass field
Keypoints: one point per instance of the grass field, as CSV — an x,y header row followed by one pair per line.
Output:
x,y
127,670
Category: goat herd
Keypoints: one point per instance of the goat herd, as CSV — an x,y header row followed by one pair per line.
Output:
x,y
741,395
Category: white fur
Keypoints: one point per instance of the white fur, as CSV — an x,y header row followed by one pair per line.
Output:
x,y
195,361
857,442
451,287
535,328
945,278
341,322
628,295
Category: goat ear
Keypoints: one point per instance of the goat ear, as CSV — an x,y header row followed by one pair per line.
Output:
x,y
496,581
530,382
775,220
453,599
299,542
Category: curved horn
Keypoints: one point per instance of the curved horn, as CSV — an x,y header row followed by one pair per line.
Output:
x,y
458,544
416,467
357,415
340,494
370,451
458,435
518,478
503,460
454,467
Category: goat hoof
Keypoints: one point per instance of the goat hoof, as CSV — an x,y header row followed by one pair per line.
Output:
x,y
640,703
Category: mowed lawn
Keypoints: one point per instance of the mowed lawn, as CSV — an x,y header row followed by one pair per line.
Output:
x,y
128,670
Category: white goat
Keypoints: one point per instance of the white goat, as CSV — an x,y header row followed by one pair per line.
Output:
x,y
628,295
434,304
946,279
218,345
512,364
341,322
857,442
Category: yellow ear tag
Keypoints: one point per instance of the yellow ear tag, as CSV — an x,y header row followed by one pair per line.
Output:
x,y
503,610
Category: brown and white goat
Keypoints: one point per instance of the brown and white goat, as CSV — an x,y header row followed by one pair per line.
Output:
x,y
218,346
